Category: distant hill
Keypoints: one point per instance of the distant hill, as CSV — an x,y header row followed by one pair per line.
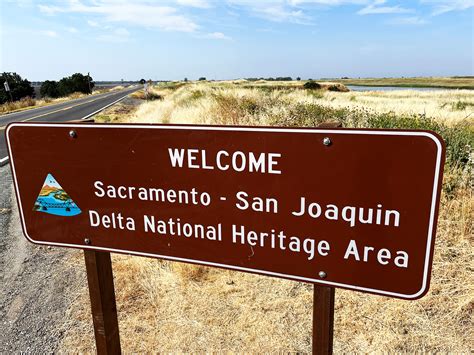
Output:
x,y
46,190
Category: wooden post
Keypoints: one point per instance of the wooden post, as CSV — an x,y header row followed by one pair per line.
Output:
x,y
323,319
329,125
102,295
323,302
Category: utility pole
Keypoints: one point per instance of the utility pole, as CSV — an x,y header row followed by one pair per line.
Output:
x,y
89,82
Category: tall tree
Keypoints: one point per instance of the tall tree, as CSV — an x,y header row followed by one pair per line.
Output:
x,y
19,87
75,83
49,88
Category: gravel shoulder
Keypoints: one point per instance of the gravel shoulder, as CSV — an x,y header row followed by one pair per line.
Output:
x,y
36,283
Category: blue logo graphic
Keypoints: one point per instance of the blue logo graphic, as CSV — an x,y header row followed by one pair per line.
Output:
x,y
53,199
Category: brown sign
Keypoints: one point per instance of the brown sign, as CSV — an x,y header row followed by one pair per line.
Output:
x,y
344,208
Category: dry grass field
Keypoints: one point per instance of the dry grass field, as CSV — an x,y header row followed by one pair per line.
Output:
x,y
204,103
459,82
173,307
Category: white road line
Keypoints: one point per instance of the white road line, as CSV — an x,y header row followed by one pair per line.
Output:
x,y
5,159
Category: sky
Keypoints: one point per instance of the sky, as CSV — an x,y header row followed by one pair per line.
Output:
x,y
230,39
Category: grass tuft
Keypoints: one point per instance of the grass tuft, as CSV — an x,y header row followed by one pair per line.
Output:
x,y
16,105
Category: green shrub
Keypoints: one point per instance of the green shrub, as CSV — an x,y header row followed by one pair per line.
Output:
x,y
459,138
75,83
49,88
196,95
311,85
461,105
317,94
240,110
154,96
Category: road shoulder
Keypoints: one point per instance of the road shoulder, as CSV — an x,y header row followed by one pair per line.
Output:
x,y
36,284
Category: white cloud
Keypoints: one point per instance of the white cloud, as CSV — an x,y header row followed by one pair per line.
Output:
x,y
329,2
217,35
410,21
273,10
139,13
202,4
443,6
282,14
377,8
72,30
49,33
48,9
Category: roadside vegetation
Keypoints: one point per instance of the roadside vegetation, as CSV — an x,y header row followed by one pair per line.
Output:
x,y
67,85
22,94
172,307
19,87
28,102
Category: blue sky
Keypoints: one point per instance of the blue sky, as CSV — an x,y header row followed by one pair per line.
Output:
x,y
162,40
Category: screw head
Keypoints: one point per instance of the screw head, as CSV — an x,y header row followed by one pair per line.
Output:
x,y
326,141
72,133
87,241
322,274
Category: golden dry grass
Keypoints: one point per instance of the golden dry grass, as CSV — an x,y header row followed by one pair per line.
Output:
x,y
197,103
466,82
28,102
172,307
440,105
17,105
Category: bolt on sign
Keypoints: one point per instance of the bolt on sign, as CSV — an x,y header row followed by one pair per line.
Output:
x,y
346,208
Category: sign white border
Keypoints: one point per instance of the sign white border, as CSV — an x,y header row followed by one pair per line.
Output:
x,y
250,129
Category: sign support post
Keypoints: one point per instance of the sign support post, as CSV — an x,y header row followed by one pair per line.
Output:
x,y
323,303
102,295
323,319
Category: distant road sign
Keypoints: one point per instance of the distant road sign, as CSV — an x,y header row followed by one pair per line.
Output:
x,y
7,87
344,208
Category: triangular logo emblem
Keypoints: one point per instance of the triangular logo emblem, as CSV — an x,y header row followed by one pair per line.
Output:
x,y
53,199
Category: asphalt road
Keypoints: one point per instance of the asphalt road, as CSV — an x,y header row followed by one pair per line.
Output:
x,y
66,111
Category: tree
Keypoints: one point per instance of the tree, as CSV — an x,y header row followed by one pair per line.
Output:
x,y
75,83
142,81
19,87
298,78
185,80
202,78
49,88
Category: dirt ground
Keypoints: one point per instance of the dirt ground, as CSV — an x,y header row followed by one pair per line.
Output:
x,y
35,284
